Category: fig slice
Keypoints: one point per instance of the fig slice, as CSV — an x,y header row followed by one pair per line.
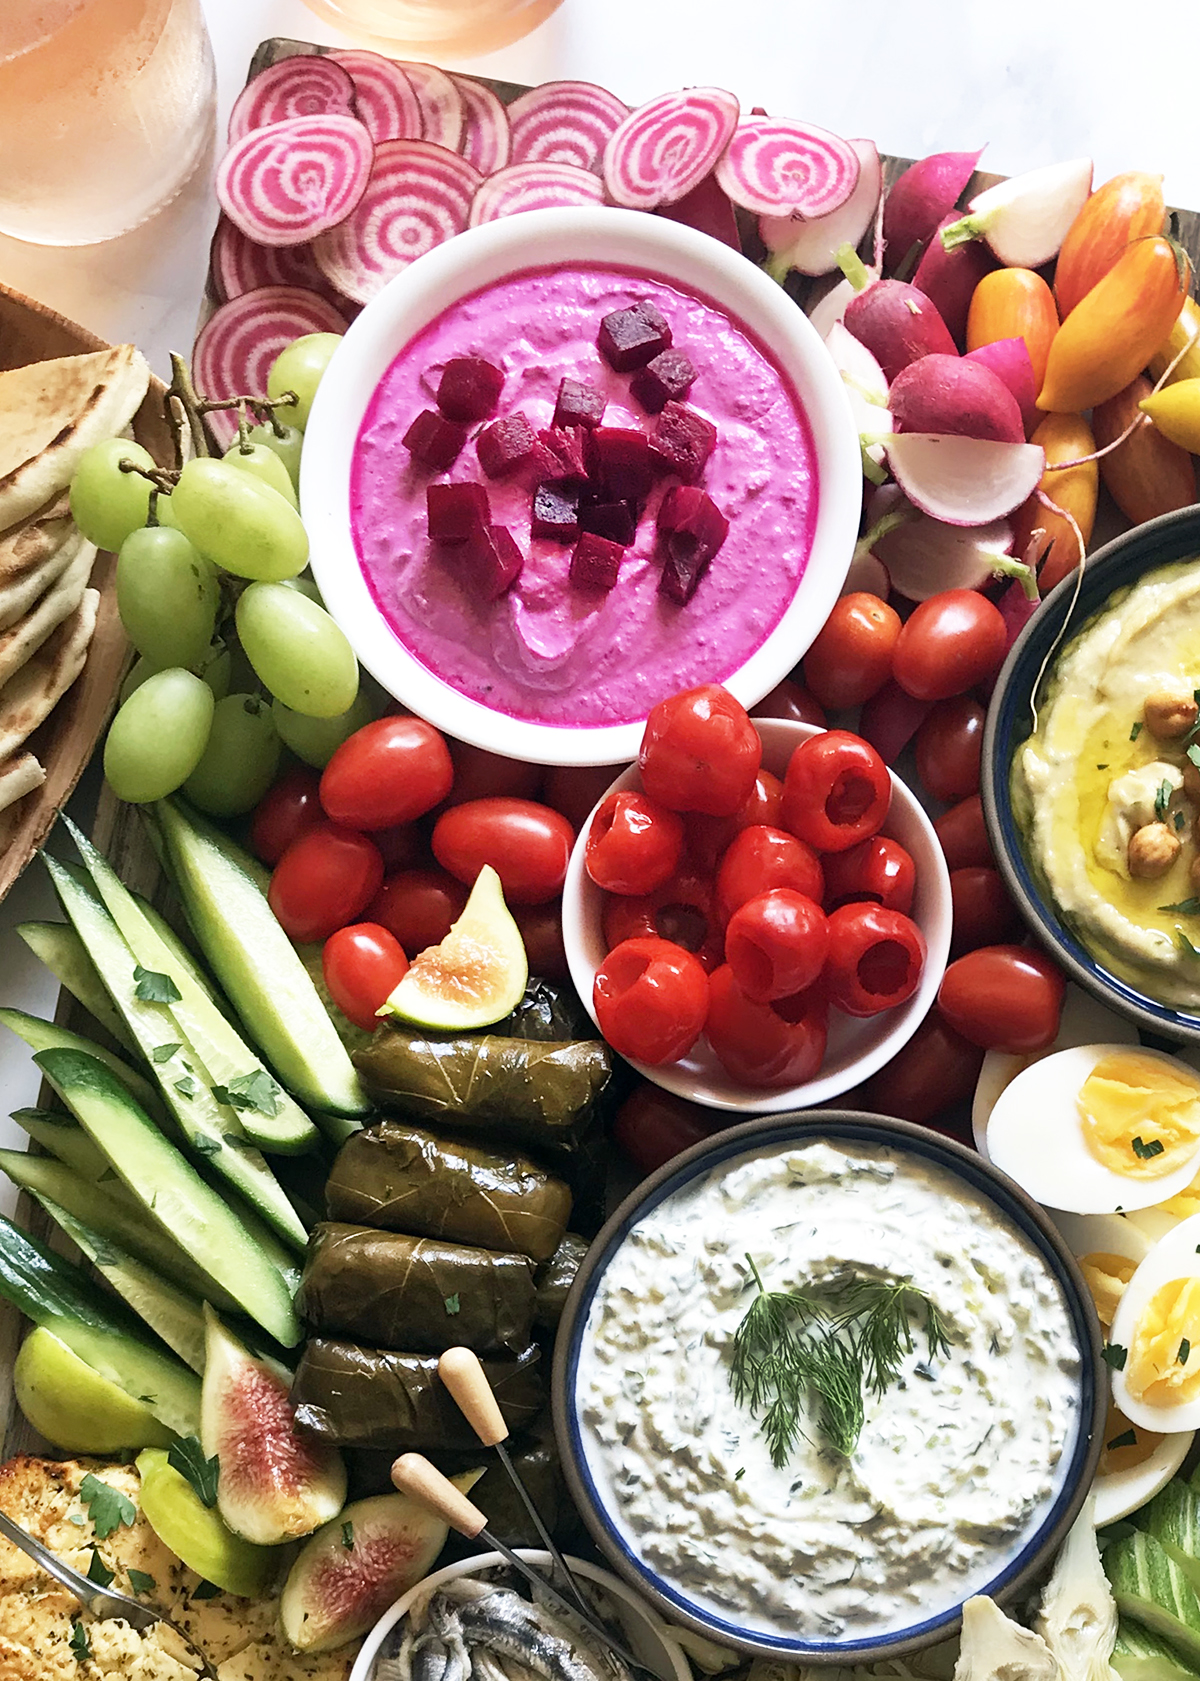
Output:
x,y
273,1484
475,977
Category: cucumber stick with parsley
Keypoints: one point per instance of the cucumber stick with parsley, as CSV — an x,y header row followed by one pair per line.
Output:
x,y
170,1190
1150,1587
42,1035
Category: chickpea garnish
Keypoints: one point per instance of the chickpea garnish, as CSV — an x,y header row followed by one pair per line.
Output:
x,y
1168,716
1152,851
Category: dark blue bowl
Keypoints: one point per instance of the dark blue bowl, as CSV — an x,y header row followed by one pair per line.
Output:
x,y
1021,1572
1119,563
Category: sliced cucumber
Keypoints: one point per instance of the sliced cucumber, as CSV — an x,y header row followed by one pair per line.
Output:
x,y
1173,1518
258,965
1150,1587
171,1191
1141,1656
100,1330
212,1129
42,1035
62,1137
269,1117
182,953
65,955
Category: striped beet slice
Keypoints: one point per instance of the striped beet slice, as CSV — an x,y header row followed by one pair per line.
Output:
x,y
487,138
778,167
384,98
667,146
534,186
305,85
442,118
238,264
237,344
564,122
418,195
290,181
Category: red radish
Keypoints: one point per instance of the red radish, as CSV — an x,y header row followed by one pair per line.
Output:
x,y
564,122
811,247
1025,218
305,85
1017,606
486,138
533,186
866,388
776,166
440,102
964,481
384,98
1009,359
890,719
659,152
918,199
898,324
233,354
949,278
418,195
289,182
923,556
951,394
707,209
238,264
830,308
867,576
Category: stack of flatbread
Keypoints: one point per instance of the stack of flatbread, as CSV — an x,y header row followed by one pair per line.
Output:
x,y
50,414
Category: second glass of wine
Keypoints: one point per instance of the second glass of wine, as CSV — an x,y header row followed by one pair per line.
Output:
x,y
431,27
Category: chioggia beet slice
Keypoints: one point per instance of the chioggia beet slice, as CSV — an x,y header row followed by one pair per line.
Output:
x,y
505,445
456,511
667,146
629,338
469,388
564,122
238,343
304,85
534,186
777,166
596,562
487,135
384,98
434,441
295,179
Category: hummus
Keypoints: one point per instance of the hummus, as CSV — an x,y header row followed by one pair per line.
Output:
x,y
1093,774
549,651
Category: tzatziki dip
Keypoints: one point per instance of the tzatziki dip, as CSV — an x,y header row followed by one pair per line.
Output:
x,y
958,1460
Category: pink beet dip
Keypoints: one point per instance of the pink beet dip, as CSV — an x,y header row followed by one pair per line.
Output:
x,y
549,651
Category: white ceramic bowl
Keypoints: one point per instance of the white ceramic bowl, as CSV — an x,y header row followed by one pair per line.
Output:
x,y
856,1047
484,255
648,1636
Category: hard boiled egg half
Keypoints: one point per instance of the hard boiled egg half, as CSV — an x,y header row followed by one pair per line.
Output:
x,y
1154,1344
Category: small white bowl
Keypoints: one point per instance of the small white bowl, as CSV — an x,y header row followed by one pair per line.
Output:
x,y
550,239
857,1047
649,1637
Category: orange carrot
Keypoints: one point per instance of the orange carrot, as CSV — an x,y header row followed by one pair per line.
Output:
x,y
1014,303
1147,475
1128,207
1064,437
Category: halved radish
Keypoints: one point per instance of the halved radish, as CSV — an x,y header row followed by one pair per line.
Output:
x,y
830,308
918,199
290,181
304,85
776,166
924,556
1009,359
236,346
964,481
952,394
898,324
441,104
238,264
534,186
659,152
865,386
486,138
811,247
384,98
418,195
867,575
565,122
1025,219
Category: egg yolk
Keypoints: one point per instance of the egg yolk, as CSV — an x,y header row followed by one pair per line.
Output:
x,y
1163,1366
1140,1117
1185,1203
1106,1277
1125,1445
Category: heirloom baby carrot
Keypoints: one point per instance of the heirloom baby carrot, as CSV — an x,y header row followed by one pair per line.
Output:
x,y
1175,410
1014,303
1128,207
1147,475
1064,437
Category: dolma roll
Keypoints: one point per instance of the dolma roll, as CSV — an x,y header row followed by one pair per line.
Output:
x,y
398,1178
372,1398
415,1293
555,1279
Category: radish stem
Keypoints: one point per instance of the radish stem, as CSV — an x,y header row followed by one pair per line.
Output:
x,y
958,233
886,523
853,267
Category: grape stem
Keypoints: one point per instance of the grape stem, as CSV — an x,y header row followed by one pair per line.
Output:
x,y
184,393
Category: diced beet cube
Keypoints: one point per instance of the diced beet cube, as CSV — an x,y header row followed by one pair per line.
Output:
x,y
615,520
556,511
455,511
683,440
560,454
469,388
629,338
620,459
691,529
505,445
434,441
492,560
579,404
596,562
666,379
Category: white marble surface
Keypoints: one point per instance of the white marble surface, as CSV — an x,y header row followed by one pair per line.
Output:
x,y
1036,82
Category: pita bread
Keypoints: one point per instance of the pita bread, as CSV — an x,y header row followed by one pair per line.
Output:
x,y
51,412
22,640
32,555
11,819
29,695
19,776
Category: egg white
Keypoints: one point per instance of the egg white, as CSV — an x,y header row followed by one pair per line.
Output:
x,y
1122,1492
1103,1234
1172,1257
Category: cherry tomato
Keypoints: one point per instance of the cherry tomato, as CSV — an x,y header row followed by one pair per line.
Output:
x,y
418,907
404,847
700,752
949,747
890,719
765,1045
478,773
984,915
948,644
791,700
1005,998
937,1068
776,944
963,834
634,844
761,858
388,772
878,868
708,837
875,958
361,965
325,879
573,790
650,998
542,936
836,791
851,658
653,1125
288,808
681,911
528,845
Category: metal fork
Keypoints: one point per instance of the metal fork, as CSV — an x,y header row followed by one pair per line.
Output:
x,y
101,1602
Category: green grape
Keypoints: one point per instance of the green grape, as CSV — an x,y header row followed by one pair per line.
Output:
x,y
240,760
167,596
315,740
138,673
297,650
262,463
213,668
157,738
287,447
239,523
106,503
306,586
299,367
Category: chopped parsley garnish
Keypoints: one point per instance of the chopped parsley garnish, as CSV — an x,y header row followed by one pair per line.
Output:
x,y
206,1590
187,1456
186,1087
1127,1439
107,1506
1180,821
453,1304
206,1144
1185,1349
1146,1152
1101,767
153,988
79,1643
739,1473
1136,730
1185,944
348,1536
257,1091
99,1572
164,1053
140,1582
1115,1356
1162,799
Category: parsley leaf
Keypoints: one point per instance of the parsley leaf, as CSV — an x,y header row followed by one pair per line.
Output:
x,y
79,1643
205,1145
1185,907
187,1456
1185,1349
348,1536
205,1590
164,1053
153,988
1115,1356
1136,731
140,1582
257,1091
1162,799
1193,754
186,1087
1127,1439
107,1506
453,1303
99,1572
1146,1152
1185,944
